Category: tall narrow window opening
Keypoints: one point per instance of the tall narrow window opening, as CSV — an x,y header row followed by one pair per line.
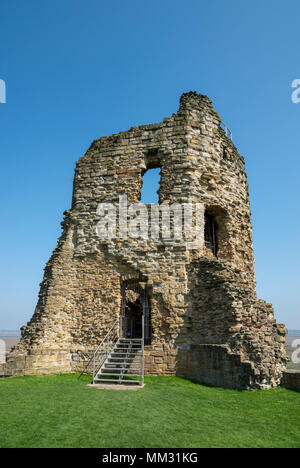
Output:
x,y
211,227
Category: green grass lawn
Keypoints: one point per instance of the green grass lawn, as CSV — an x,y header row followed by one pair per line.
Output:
x,y
61,411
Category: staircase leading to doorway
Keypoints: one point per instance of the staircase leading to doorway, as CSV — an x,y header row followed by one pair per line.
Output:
x,y
124,364
119,360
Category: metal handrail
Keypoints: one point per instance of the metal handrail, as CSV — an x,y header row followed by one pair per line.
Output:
x,y
143,347
95,352
107,346
226,130
106,351
107,335
103,356
86,366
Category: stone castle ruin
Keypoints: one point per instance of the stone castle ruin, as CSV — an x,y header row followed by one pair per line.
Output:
x,y
201,315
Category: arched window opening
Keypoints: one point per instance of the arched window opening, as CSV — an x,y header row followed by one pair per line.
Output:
x,y
210,233
150,186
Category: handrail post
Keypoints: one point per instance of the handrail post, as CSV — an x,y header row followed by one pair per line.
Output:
x,y
105,347
94,367
143,348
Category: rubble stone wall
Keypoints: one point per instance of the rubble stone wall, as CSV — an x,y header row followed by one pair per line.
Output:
x,y
291,379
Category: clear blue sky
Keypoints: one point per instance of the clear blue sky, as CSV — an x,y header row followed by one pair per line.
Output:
x,y
77,70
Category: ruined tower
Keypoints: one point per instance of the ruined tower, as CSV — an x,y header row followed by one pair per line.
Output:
x,y
204,320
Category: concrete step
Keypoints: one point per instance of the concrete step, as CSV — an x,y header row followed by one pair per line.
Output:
x,y
131,348
122,369
117,375
118,381
124,358
128,341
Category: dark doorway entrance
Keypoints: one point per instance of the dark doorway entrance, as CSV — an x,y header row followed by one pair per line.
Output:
x,y
136,311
